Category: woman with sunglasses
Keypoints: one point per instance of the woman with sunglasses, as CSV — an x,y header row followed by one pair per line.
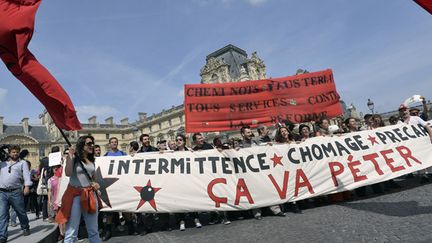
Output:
x,y
80,198
181,146
283,136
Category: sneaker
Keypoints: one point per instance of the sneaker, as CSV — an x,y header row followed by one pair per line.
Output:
x,y
182,226
280,214
296,209
197,223
121,228
424,180
107,235
226,221
13,224
26,232
258,217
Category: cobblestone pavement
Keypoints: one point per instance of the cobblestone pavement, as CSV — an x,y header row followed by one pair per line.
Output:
x,y
403,215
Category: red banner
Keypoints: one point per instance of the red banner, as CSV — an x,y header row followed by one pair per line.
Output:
x,y
16,30
229,106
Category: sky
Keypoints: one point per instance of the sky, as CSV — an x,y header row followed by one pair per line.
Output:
x,y
118,58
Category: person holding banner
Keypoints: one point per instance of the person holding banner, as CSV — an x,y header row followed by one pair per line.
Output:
x,y
305,132
248,142
351,124
415,120
80,198
108,217
247,136
368,122
146,146
181,146
97,150
323,127
181,143
263,134
283,137
200,143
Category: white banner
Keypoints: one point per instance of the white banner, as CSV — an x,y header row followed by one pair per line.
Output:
x,y
260,176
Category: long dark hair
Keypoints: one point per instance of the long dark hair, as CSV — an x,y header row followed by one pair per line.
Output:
x,y
80,148
279,138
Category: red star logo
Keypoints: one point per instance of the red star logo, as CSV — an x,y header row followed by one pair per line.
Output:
x,y
147,194
277,160
372,140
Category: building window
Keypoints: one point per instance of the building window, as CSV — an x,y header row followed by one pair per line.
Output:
x,y
160,126
42,151
181,118
123,136
170,122
107,136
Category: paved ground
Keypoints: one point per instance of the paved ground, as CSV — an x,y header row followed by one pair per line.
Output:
x,y
403,215
39,231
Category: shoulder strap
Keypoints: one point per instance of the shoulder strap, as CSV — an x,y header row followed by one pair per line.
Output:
x,y
84,169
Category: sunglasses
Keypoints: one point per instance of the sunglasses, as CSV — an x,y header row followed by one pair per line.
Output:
x,y
179,139
414,113
90,144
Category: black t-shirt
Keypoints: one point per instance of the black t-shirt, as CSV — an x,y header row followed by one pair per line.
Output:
x,y
205,146
147,149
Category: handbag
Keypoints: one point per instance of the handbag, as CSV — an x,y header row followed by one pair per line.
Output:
x,y
42,188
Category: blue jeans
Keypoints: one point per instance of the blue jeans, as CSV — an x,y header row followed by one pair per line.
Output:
x,y
72,226
12,215
15,199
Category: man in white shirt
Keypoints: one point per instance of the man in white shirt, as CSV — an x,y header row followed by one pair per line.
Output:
x,y
415,120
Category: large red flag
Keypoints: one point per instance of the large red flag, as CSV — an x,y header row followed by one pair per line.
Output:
x,y
426,4
16,30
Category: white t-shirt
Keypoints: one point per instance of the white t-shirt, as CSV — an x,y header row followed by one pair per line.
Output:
x,y
414,120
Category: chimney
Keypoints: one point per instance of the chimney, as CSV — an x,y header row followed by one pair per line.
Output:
x,y
109,120
1,125
92,120
142,116
25,125
124,121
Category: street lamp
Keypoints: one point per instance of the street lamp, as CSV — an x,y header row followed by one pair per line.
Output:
x,y
370,105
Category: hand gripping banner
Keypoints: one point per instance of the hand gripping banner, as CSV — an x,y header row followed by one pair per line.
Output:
x,y
260,176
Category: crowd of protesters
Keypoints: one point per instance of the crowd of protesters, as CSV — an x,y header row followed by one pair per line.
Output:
x,y
37,191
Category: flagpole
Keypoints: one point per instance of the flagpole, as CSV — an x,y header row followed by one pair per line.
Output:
x,y
64,136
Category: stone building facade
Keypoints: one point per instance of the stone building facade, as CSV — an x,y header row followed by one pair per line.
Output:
x,y
228,64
